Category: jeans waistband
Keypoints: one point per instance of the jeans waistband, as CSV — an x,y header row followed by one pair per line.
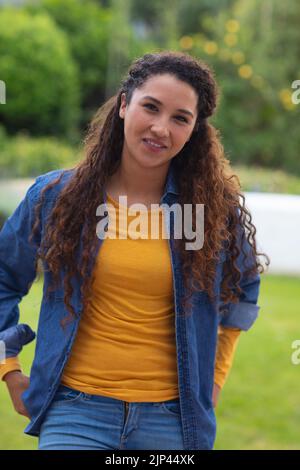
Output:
x,y
112,400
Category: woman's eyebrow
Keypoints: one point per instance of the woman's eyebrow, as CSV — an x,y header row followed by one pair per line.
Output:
x,y
185,111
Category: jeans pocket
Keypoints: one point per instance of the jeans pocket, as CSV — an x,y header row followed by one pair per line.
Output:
x,y
172,407
66,395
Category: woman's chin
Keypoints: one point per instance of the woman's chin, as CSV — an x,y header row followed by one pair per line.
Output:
x,y
147,160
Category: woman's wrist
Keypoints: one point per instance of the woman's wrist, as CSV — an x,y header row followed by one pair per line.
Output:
x,y
11,376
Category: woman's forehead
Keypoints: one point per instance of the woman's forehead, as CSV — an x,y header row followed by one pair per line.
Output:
x,y
166,88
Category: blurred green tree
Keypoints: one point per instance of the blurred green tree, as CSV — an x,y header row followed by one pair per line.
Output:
x,y
87,26
40,75
256,116
102,43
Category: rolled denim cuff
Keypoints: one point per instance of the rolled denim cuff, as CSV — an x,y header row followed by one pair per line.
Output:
x,y
15,338
241,315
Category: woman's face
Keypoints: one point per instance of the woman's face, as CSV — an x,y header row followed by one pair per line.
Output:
x,y
164,111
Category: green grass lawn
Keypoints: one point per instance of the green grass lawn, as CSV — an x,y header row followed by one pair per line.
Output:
x,y
259,407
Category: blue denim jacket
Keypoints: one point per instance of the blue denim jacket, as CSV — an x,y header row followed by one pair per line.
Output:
x,y
196,334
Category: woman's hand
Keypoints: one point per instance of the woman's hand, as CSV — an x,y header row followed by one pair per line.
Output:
x,y
216,393
17,383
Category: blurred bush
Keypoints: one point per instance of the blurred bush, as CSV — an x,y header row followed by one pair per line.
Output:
x,y
267,181
23,156
87,26
40,75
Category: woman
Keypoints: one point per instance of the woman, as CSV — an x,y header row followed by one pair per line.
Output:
x,y
152,326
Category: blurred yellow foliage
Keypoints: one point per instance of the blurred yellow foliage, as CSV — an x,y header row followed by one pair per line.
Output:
x,y
186,42
232,26
245,71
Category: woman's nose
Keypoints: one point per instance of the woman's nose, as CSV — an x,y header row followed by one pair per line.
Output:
x,y
160,130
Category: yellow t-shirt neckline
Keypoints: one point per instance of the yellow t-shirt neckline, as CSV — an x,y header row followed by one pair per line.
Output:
x,y
123,207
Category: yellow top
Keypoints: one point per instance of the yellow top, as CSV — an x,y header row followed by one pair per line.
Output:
x,y
125,347
226,346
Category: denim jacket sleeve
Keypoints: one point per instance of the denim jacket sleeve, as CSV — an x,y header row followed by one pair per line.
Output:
x,y
17,270
243,314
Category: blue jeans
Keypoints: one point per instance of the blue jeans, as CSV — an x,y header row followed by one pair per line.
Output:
x,y
78,420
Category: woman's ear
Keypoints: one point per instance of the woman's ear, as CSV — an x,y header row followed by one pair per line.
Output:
x,y
122,106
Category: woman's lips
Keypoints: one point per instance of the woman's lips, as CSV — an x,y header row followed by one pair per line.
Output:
x,y
153,148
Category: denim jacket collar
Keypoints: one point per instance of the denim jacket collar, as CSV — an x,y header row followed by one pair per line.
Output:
x,y
171,186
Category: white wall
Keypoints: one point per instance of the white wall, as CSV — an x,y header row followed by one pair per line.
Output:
x,y
277,219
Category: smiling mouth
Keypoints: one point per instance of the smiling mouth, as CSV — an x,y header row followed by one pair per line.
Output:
x,y
153,145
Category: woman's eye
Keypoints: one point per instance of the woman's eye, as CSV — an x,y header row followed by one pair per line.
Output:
x,y
151,105
181,118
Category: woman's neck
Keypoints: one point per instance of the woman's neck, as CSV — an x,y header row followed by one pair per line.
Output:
x,y
146,190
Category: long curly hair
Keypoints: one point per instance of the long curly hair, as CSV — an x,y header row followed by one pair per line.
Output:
x,y
205,178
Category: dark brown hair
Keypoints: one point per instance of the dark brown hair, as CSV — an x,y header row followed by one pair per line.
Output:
x,y
205,178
